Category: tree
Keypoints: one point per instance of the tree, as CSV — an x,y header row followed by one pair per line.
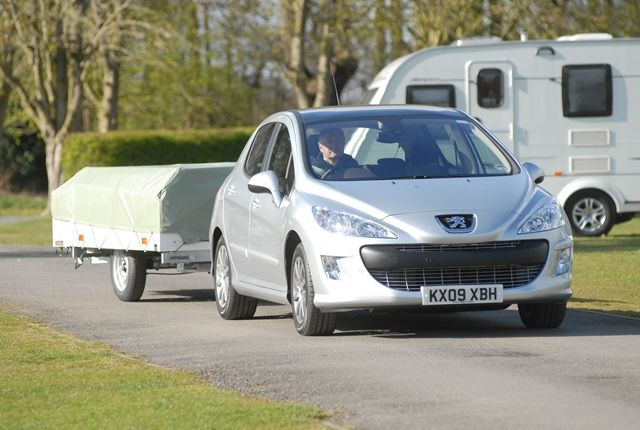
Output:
x,y
212,66
103,95
6,60
440,22
52,43
317,30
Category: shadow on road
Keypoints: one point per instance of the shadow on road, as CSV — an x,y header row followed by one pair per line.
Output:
x,y
195,295
29,253
490,324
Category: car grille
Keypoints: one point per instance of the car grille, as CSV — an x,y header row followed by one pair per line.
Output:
x,y
456,264
412,279
422,247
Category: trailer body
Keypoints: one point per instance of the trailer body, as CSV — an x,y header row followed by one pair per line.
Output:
x,y
138,218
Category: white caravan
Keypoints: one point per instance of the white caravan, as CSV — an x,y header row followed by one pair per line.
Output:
x,y
567,105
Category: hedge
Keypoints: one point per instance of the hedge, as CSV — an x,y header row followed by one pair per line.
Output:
x,y
142,148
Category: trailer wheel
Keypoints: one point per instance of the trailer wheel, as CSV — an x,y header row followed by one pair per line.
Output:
x,y
591,213
128,276
542,315
230,304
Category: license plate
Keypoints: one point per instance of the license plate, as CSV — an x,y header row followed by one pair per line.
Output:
x,y
461,294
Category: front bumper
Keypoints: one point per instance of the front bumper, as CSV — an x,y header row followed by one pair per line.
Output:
x,y
357,288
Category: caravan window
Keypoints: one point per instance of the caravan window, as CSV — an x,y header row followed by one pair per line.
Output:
x,y
586,90
490,88
434,95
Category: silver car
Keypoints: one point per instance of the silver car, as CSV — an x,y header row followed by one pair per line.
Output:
x,y
386,207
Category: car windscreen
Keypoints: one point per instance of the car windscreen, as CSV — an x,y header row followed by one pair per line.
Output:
x,y
394,147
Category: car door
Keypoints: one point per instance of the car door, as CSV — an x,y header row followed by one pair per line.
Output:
x,y
237,200
267,221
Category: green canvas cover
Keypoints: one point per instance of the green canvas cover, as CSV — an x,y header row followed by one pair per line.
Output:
x,y
165,199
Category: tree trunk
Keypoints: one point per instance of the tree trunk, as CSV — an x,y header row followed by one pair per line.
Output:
x,y
380,26
53,161
296,11
108,109
324,79
4,106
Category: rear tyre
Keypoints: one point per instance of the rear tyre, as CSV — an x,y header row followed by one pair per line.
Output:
x,y
128,275
308,319
542,315
230,304
591,213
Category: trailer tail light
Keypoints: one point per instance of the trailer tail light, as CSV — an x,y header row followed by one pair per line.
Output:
x,y
143,241
81,237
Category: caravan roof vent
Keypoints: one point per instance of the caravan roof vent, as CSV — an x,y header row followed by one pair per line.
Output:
x,y
478,40
585,36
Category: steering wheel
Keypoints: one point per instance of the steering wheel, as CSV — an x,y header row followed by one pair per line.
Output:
x,y
329,171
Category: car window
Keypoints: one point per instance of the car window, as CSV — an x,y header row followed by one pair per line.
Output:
x,y
258,150
398,147
280,155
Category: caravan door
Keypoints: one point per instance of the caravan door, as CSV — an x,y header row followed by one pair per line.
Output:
x,y
489,97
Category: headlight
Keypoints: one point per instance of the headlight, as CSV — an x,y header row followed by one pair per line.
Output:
x,y
348,224
546,218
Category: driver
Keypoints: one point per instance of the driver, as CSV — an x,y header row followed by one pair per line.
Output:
x,y
331,155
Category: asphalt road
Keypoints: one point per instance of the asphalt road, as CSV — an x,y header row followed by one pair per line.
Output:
x,y
478,370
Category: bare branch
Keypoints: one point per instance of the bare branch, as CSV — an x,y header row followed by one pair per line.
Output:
x,y
30,108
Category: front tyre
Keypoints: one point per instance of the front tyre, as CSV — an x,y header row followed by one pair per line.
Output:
x,y
308,319
128,275
230,304
542,315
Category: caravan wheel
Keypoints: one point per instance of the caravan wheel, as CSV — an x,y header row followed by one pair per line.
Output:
x,y
591,213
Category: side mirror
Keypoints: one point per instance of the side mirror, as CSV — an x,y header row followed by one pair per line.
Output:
x,y
536,173
266,183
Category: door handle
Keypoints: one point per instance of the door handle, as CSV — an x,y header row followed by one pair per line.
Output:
x,y
231,190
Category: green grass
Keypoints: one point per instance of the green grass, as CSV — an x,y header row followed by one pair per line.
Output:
x,y
606,271
51,380
33,232
21,205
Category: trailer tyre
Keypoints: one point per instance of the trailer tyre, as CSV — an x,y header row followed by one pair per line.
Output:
x,y
230,304
128,275
591,213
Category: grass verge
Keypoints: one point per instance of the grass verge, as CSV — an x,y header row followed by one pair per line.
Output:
x,y
21,205
33,232
53,380
605,271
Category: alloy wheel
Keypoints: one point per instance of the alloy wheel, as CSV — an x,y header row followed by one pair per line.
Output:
x,y
299,290
589,214
222,277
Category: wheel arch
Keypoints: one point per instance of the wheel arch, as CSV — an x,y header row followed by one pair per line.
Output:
x,y
290,246
592,185
215,238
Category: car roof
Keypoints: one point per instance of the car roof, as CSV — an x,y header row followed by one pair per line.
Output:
x,y
346,112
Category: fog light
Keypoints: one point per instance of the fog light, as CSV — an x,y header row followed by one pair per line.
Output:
x,y
330,266
564,261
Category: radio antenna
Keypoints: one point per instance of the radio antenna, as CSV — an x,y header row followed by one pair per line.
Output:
x,y
333,79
